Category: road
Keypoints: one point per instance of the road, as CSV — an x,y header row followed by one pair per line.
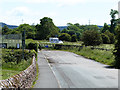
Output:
x,y
73,71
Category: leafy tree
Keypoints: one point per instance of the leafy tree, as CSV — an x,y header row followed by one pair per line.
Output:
x,y
105,39
46,28
71,32
113,20
74,38
72,27
105,27
30,31
64,31
91,37
117,49
65,37
5,29
111,36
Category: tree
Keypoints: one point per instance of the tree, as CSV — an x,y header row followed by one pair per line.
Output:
x,y
74,38
5,29
91,37
64,31
111,36
46,29
105,39
113,20
105,27
117,49
30,31
65,37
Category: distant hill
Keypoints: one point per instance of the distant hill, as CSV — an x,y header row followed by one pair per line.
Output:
x,y
14,26
9,26
99,26
62,27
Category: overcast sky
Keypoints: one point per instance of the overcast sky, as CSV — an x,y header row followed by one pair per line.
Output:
x,y
61,11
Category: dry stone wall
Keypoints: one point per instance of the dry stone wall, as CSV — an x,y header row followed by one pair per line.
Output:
x,y
22,80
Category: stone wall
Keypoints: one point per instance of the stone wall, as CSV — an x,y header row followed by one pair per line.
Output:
x,y
22,80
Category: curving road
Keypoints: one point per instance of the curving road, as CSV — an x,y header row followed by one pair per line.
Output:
x,y
73,71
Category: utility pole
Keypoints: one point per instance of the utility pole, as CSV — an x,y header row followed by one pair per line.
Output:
x,y
89,21
23,41
22,21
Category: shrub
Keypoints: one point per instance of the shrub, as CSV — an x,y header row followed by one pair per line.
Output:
x,y
33,45
91,37
15,56
65,37
111,36
105,39
74,38
117,49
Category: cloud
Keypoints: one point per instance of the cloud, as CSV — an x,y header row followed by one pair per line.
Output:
x,y
67,1
18,11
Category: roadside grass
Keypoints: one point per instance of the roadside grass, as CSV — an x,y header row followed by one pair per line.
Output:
x,y
106,46
102,56
10,68
37,68
18,67
5,74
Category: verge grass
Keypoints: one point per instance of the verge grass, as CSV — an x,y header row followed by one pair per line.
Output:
x,y
102,56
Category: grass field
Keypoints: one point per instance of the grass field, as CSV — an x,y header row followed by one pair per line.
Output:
x,y
11,68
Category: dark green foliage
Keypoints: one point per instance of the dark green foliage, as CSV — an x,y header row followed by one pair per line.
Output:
x,y
5,30
71,32
91,37
15,56
65,37
74,38
113,20
105,39
46,29
33,45
64,31
117,49
105,27
111,37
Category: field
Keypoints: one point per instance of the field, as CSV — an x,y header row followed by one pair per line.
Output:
x,y
10,65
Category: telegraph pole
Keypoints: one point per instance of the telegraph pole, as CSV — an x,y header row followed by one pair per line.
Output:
x,y
89,21
23,42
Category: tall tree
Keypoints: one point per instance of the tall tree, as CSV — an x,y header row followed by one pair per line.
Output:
x,y
113,20
47,28
117,49
105,28
5,29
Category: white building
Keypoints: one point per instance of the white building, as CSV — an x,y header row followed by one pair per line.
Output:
x,y
55,40
119,9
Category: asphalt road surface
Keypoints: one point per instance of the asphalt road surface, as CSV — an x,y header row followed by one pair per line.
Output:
x,y
73,71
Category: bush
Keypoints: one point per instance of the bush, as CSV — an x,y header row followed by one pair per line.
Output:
x,y
105,39
91,38
117,49
33,45
65,37
15,56
111,37
74,38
